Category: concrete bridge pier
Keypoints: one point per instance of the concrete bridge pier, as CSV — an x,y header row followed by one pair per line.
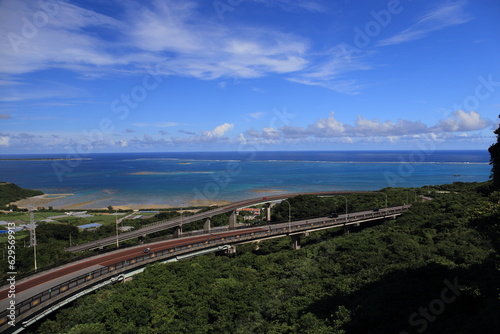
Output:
x,y
295,241
177,231
141,239
231,250
268,211
346,229
206,226
232,221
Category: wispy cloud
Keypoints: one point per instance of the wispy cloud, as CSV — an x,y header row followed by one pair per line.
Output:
x,y
39,90
196,46
443,16
256,115
187,132
331,70
62,42
157,124
294,5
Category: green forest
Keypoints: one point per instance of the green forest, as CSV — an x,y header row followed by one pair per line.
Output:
x,y
434,270
10,192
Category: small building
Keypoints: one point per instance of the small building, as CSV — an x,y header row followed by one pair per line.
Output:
x,y
81,214
89,227
253,211
47,220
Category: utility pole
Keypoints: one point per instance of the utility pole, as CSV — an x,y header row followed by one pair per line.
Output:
x,y
385,201
346,213
289,216
116,224
32,234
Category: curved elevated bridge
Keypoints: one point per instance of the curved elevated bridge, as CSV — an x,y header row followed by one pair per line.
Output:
x,y
41,294
178,221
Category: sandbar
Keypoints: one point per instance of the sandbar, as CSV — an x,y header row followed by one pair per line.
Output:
x,y
96,204
267,191
170,173
40,200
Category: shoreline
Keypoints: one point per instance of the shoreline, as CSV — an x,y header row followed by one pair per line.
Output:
x,y
77,203
45,201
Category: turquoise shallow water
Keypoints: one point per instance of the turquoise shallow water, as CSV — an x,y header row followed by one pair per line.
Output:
x,y
182,179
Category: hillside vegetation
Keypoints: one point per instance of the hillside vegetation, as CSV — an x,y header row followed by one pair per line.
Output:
x,y
10,192
433,270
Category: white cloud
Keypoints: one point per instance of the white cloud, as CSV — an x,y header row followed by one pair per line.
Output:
x,y
4,141
121,143
294,132
463,121
61,42
219,131
327,127
270,133
241,139
329,70
256,115
372,130
446,15
366,127
196,46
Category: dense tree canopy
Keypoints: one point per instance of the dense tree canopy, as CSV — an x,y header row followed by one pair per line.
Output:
x,y
10,192
378,280
495,160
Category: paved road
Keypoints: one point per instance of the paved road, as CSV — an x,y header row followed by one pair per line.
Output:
x,y
163,225
53,277
72,270
46,280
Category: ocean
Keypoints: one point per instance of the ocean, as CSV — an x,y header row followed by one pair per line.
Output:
x,y
192,178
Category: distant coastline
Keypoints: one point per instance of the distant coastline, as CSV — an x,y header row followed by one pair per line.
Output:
x,y
42,159
182,179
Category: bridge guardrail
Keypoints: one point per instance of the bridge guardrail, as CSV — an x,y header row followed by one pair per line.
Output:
x,y
68,287
167,223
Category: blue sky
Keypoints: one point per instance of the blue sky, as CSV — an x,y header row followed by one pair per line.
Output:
x,y
215,75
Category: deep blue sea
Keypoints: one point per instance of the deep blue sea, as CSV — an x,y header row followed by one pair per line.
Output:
x,y
182,179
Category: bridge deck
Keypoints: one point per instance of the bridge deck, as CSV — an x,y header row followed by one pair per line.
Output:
x,y
69,280
166,224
